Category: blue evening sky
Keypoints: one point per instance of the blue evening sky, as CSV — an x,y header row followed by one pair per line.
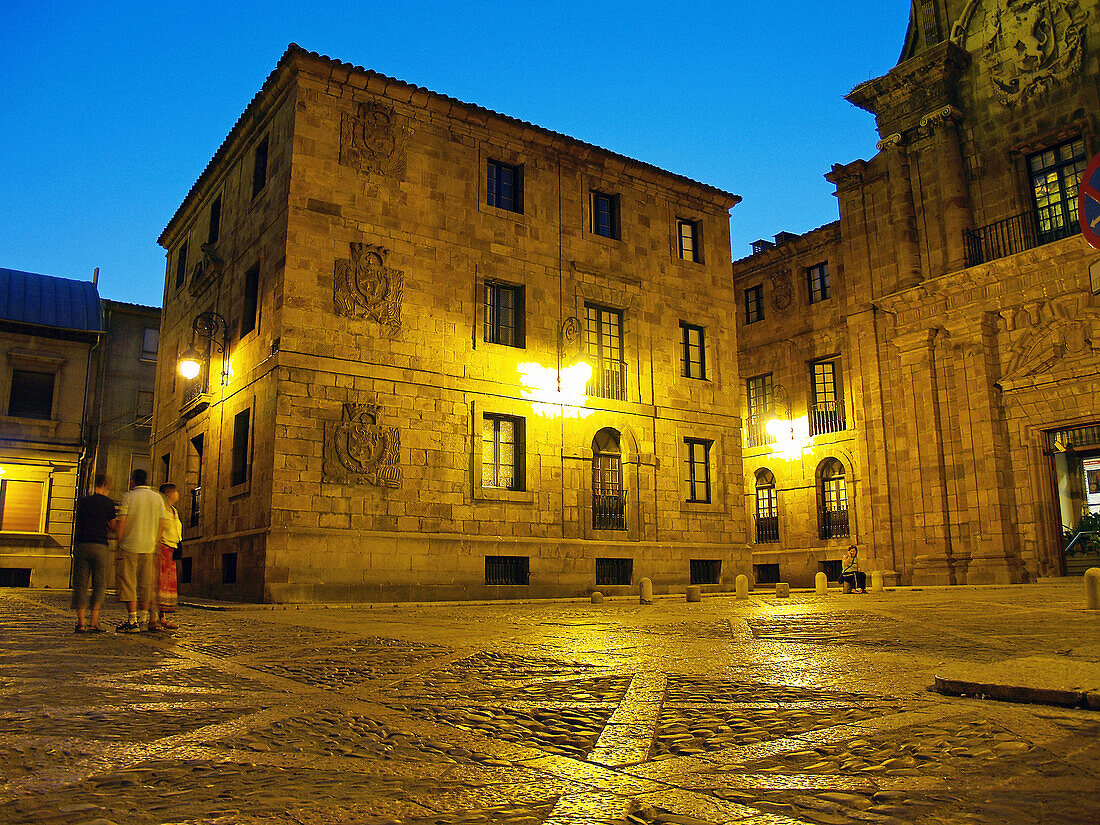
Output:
x,y
110,110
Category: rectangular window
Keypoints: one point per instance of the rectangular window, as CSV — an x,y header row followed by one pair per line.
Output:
x,y
1055,173
504,314
614,571
143,413
185,570
229,568
688,240
693,362
761,395
754,304
705,571
31,394
605,214
21,506
504,186
817,279
259,167
827,409
507,569
239,471
698,470
181,265
215,221
250,308
166,468
150,342
605,347
502,452
766,573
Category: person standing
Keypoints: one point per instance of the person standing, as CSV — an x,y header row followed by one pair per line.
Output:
x,y
168,539
139,516
850,573
95,518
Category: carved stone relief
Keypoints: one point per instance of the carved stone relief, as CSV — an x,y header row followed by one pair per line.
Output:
x,y
206,271
364,287
372,140
782,293
1027,45
1048,334
358,450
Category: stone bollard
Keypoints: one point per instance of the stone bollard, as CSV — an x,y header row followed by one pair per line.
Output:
x,y
782,590
645,588
1092,588
821,584
741,586
876,581
694,593
597,597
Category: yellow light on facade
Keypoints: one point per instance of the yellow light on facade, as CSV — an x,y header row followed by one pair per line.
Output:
x,y
554,394
791,437
190,364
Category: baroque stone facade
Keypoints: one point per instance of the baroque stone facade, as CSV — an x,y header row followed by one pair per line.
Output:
x,y
960,316
466,357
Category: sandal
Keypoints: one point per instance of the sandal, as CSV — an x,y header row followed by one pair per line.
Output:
x,y
80,629
168,625
94,628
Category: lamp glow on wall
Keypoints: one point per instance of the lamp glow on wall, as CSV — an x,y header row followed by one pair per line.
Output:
x,y
792,435
554,394
214,328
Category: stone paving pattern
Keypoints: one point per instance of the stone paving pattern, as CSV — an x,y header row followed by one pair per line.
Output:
x,y
767,712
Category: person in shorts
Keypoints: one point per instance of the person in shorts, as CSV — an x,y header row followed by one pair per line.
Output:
x,y
95,518
139,515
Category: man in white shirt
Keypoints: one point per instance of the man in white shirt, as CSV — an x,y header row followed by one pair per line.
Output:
x,y
139,515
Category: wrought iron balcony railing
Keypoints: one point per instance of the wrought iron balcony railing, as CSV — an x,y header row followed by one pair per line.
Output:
x,y
608,512
1018,234
827,417
755,433
834,523
608,380
767,529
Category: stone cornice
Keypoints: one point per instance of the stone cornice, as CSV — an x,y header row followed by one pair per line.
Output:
x,y
810,241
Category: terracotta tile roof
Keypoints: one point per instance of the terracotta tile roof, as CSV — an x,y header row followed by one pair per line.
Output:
x,y
415,94
44,301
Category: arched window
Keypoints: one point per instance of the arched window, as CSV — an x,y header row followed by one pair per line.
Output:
x,y
608,500
832,500
767,508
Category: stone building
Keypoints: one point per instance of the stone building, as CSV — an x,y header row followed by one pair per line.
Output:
x,y
48,329
959,400
444,353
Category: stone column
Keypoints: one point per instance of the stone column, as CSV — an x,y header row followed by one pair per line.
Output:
x,y
903,216
954,200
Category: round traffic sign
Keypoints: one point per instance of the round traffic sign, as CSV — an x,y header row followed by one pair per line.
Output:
x,y
1088,202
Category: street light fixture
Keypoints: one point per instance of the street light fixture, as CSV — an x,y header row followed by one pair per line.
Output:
x,y
214,328
791,435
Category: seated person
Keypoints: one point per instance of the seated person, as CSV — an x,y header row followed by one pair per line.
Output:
x,y
850,574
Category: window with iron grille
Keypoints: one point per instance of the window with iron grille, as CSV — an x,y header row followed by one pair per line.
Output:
x,y
817,278
693,355
181,265
504,186
827,409
834,500
831,569
765,573
507,570
608,498
1054,174
754,304
605,348
259,167
504,314
767,508
605,214
688,240
706,571
698,470
614,571
31,394
502,451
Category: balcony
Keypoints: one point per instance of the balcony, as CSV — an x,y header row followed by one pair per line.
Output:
x,y
834,523
827,417
756,435
608,381
608,512
1019,233
767,529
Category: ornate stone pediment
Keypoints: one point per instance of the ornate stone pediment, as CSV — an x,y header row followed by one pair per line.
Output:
x,y
1047,335
206,271
364,287
358,450
373,141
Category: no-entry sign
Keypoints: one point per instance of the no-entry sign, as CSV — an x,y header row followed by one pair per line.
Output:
x,y
1088,202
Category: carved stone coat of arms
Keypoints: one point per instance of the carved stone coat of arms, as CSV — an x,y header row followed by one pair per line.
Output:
x,y
372,140
364,287
360,451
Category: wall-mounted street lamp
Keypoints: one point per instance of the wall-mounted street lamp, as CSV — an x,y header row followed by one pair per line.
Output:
x,y
215,329
791,435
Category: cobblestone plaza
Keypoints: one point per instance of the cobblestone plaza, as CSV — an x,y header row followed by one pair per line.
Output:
x,y
813,709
